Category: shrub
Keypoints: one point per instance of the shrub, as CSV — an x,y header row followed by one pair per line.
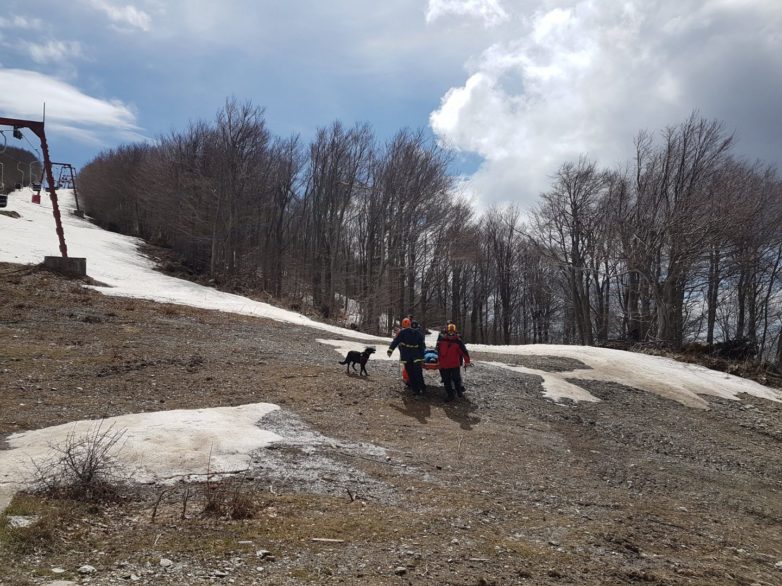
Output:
x,y
83,467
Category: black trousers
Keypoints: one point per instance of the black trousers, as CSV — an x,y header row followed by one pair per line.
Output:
x,y
452,380
416,374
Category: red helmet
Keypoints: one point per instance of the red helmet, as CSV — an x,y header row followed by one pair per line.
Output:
x,y
406,322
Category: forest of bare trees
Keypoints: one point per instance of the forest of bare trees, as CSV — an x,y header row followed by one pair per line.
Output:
x,y
683,244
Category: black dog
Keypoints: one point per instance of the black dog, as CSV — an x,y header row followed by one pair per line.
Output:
x,y
355,357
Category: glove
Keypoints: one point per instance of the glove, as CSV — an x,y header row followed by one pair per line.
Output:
x,y
466,364
390,352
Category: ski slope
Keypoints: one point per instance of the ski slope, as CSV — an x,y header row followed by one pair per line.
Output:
x,y
114,260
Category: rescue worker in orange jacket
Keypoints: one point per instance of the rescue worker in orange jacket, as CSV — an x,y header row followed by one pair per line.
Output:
x,y
451,353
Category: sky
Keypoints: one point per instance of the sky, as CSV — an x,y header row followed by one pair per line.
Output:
x,y
514,88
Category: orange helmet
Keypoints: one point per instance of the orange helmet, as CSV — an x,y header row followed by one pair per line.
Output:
x,y
406,322
451,328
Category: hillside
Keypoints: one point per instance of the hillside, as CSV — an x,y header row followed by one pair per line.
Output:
x,y
668,478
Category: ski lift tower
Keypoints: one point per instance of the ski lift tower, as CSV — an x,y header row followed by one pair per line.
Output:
x,y
68,176
63,264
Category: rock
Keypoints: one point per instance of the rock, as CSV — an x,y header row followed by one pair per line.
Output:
x,y
778,565
87,569
400,570
61,583
219,574
166,563
263,553
58,570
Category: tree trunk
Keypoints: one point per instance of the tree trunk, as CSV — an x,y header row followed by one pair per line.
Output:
x,y
712,294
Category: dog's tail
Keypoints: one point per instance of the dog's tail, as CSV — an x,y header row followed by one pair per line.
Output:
x,y
343,362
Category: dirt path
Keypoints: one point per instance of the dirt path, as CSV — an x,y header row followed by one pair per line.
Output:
x,y
501,487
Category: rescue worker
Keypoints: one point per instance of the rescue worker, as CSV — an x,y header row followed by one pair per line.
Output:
x,y
411,353
451,353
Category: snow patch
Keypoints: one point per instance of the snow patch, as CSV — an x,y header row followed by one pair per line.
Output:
x,y
159,446
662,376
555,387
345,346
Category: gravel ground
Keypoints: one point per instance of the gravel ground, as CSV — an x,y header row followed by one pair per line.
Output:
x,y
500,487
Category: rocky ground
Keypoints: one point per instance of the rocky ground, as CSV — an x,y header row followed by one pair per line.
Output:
x,y
501,487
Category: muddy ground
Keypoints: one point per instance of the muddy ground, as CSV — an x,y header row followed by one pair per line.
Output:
x,y
500,487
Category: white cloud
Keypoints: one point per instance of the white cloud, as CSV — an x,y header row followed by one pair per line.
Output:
x,y
127,15
54,51
490,11
67,108
21,22
585,76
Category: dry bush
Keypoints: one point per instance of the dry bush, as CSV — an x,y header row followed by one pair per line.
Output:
x,y
83,467
228,498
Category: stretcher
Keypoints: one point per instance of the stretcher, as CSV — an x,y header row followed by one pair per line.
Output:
x,y
424,365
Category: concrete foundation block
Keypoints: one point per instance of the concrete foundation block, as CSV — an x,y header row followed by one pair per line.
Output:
x,y
70,266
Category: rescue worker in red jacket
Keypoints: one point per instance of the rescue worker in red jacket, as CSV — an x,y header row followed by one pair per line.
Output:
x,y
451,353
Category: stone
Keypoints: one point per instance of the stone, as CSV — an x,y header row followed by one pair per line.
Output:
x,y
87,569
166,563
263,553
778,565
58,570
400,570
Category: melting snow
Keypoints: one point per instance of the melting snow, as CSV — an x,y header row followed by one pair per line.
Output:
x,y
157,446
663,376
